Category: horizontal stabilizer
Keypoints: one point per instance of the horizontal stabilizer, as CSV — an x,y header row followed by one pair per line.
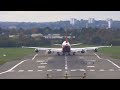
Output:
x,y
58,44
76,44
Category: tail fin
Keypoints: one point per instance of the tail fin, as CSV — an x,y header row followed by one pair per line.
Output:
x,y
66,37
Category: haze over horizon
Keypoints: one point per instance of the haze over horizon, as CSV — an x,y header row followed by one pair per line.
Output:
x,y
52,16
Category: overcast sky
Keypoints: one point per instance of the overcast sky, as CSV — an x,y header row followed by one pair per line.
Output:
x,y
48,16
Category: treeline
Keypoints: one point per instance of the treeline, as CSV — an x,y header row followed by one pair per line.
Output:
x,y
88,36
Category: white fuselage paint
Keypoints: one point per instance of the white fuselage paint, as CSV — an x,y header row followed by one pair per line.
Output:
x,y
64,44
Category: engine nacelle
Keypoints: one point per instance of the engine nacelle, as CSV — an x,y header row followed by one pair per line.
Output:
x,y
49,52
96,50
36,50
83,51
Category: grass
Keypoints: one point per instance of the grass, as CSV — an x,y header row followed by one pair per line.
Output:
x,y
113,51
13,54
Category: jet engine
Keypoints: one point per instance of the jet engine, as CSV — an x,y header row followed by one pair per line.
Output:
x,y
96,50
36,50
83,51
49,52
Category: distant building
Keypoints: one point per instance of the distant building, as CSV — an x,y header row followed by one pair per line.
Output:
x,y
91,20
109,23
36,35
12,27
13,36
55,36
73,21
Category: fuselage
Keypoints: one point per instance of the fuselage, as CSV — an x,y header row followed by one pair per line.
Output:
x,y
66,48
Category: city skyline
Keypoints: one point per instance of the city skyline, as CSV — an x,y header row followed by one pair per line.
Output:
x,y
52,16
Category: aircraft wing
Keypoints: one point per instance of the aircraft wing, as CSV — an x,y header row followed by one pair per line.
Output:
x,y
45,49
87,49
93,48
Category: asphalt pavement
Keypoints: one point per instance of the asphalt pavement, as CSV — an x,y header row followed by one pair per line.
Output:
x,y
90,65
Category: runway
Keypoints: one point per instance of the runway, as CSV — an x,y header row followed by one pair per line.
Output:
x,y
90,65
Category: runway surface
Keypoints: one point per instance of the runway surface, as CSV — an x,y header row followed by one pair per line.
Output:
x,y
90,65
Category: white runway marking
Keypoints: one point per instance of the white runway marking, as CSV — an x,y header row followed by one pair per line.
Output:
x,y
113,63
111,69
30,70
34,56
73,70
97,56
108,61
66,62
41,66
40,70
43,63
90,66
17,65
13,67
39,61
21,71
59,69
91,60
49,70
101,70
82,69
92,70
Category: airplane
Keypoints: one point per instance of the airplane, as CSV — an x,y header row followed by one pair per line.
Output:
x,y
66,48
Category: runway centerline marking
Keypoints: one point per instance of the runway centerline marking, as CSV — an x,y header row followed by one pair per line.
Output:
x,y
34,56
66,67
